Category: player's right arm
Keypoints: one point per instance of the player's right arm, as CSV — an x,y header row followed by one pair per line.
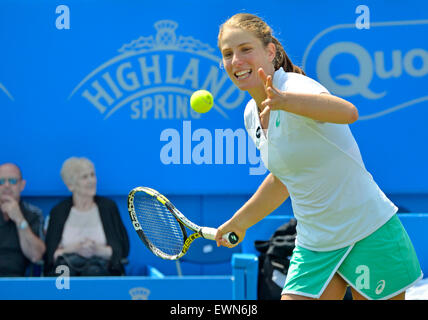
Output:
x,y
269,196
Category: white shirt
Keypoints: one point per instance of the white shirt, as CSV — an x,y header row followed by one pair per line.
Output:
x,y
334,198
81,225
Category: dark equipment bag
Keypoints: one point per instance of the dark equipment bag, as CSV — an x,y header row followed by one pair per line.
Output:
x,y
274,260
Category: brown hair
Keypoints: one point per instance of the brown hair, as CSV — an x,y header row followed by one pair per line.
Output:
x,y
262,31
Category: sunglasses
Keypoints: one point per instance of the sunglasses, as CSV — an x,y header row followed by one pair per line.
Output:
x,y
12,181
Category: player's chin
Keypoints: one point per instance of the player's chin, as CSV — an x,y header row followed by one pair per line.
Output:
x,y
243,86
247,84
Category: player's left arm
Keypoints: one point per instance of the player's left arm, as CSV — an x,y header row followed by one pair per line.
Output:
x,y
320,107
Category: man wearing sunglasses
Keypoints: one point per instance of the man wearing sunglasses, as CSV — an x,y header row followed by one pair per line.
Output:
x,y
20,225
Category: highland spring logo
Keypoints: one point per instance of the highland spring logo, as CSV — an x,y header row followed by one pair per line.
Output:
x,y
155,76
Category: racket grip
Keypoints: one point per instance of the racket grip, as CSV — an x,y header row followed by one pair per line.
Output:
x,y
231,237
209,233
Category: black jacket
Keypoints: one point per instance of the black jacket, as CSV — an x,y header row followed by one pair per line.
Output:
x,y
116,235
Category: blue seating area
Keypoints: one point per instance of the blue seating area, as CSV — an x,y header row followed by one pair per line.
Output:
x,y
204,258
214,273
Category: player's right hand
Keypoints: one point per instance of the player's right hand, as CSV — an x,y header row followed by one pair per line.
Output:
x,y
226,228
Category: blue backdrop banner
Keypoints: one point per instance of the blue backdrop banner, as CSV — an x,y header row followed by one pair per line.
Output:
x,y
111,81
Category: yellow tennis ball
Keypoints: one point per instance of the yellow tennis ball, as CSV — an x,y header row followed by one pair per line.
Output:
x,y
201,101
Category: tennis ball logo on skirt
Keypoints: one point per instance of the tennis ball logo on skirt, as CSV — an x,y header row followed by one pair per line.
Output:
x,y
201,101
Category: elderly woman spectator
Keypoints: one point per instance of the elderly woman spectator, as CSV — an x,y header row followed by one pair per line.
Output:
x,y
85,231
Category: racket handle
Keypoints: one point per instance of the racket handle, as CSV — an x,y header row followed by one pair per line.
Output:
x,y
209,233
231,237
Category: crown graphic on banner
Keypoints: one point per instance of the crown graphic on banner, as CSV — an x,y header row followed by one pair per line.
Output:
x,y
139,293
165,39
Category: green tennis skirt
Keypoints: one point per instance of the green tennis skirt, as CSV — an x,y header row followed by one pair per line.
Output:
x,y
380,266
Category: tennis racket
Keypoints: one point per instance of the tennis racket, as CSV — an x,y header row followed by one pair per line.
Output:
x,y
161,226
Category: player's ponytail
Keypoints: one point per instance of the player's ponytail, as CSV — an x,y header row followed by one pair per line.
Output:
x,y
282,60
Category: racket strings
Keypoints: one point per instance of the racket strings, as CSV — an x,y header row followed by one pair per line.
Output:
x,y
159,225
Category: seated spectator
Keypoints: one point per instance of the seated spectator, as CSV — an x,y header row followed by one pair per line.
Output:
x,y
85,232
21,225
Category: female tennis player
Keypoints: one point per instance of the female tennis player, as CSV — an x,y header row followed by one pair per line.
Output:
x,y
348,232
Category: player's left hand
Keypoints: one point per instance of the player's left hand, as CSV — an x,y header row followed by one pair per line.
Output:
x,y
275,98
